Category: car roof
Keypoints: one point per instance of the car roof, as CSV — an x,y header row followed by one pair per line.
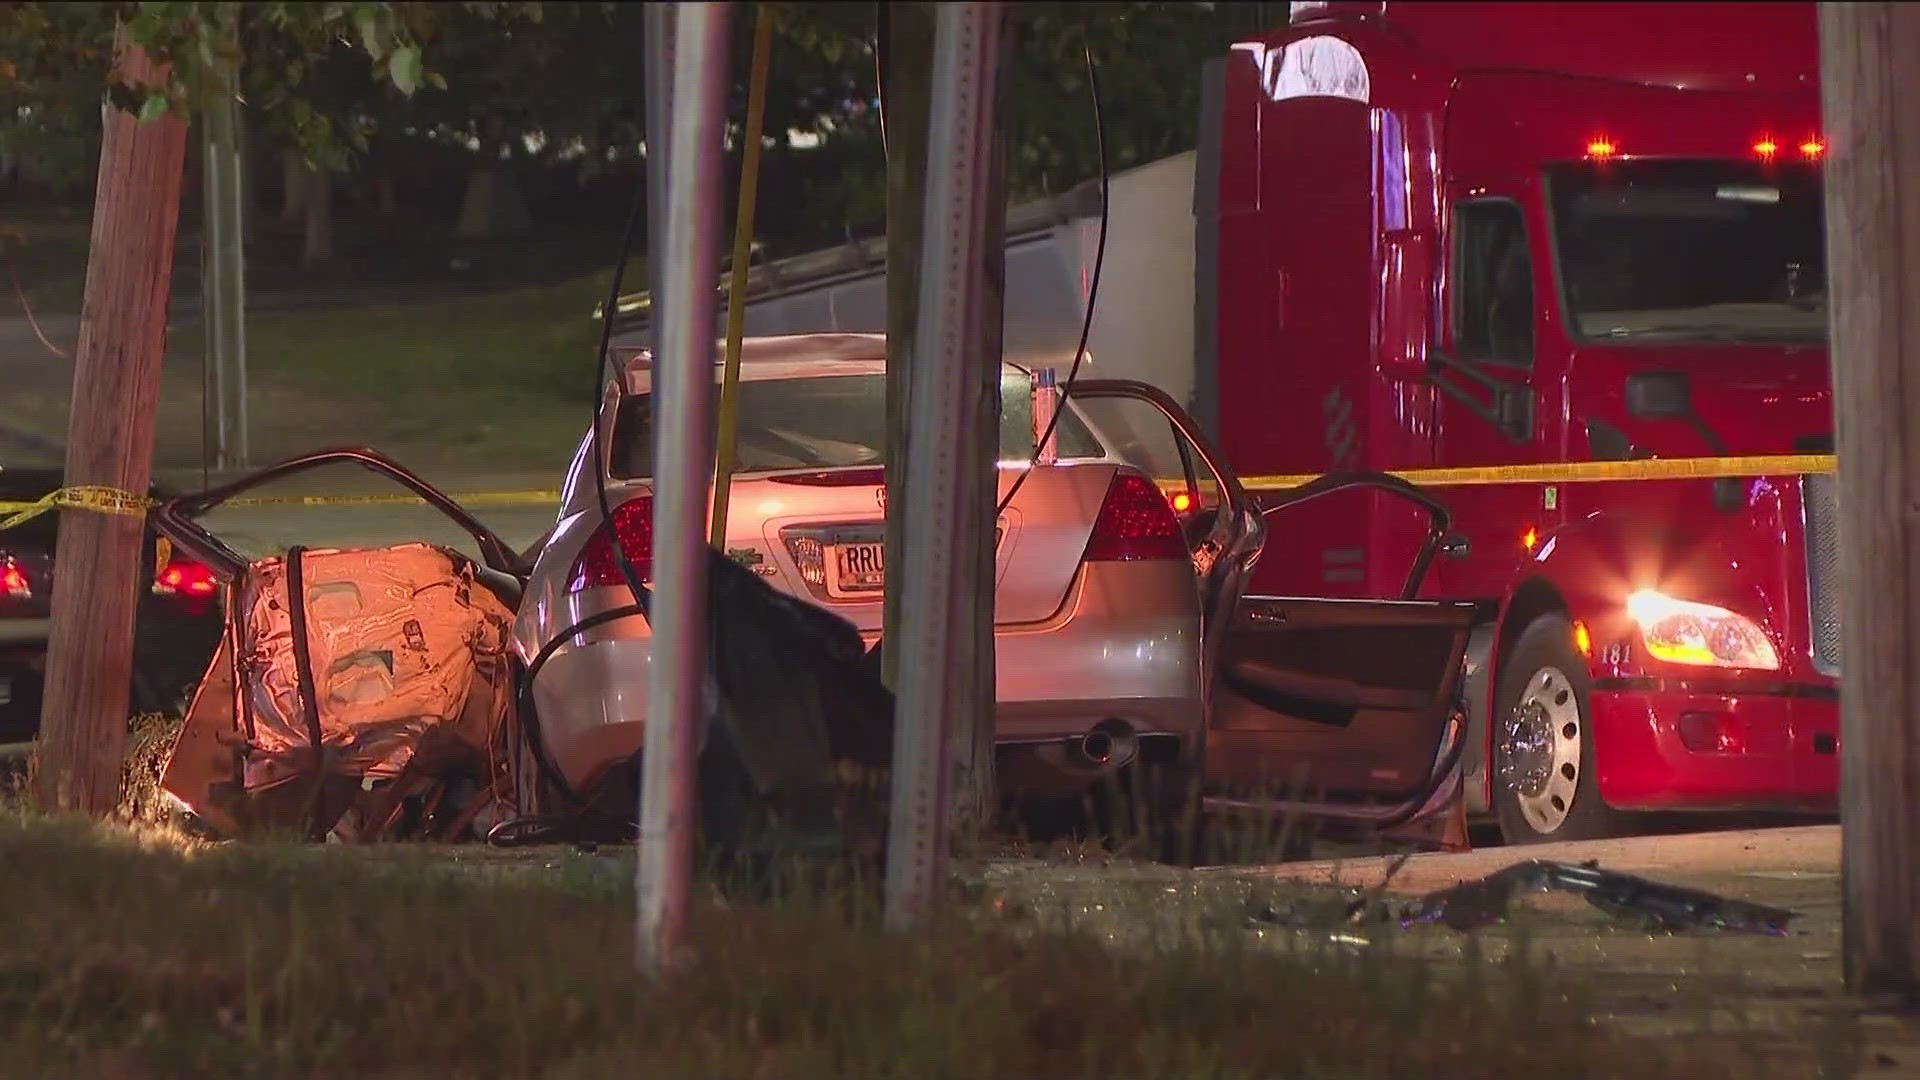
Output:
x,y
787,356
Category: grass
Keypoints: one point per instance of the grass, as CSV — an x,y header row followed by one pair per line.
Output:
x,y
465,385
493,380
496,379
136,953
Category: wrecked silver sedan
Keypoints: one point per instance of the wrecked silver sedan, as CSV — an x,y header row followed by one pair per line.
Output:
x,y
413,690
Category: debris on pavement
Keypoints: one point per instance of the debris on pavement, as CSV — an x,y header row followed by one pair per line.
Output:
x,y
1484,901
1626,897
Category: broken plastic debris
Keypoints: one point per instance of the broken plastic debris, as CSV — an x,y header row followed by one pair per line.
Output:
x,y
1662,907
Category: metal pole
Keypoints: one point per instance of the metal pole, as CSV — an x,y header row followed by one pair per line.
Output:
x,y
937,561
235,235
223,287
683,457
211,298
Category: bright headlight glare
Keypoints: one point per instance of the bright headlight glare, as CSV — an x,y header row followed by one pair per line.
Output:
x,y
1701,635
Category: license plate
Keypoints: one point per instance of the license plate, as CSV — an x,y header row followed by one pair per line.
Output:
x,y
856,569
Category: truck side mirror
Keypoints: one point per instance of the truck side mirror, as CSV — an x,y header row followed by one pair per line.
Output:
x,y
1406,305
1659,395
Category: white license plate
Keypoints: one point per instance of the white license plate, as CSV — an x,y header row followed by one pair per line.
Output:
x,y
856,569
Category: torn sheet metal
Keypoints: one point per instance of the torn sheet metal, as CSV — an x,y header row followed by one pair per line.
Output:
x,y
1484,901
1626,897
350,682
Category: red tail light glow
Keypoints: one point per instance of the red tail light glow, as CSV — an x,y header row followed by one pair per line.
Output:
x,y
1813,148
599,567
184,577
13,579
1766,148
1602,148
1135,523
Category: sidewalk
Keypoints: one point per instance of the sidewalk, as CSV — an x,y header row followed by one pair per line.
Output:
x,y
1788,988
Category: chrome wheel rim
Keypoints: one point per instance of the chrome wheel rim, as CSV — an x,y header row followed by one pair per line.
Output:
x,y
1542,742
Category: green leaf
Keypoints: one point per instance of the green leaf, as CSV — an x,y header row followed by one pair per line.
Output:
x,y
153,108
404,69
367,18
436,80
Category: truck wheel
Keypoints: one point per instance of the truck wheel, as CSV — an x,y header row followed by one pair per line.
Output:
x,y
1545,781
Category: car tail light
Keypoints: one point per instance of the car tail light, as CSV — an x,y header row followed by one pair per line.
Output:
x,y
598,566
184,577
1135,523
13,579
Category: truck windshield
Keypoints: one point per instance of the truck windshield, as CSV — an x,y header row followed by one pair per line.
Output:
x,y
830,422
1691,250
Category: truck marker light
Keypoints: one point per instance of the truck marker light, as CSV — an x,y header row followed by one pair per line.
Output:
x,y
1813,148
1699,635
1601,148
1582,639
1766,148
1530,539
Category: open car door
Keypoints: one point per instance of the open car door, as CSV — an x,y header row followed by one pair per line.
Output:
x,y
1341,711
419,679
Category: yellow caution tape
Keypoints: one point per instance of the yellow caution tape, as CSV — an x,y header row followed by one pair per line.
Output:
x,y
1569,472
1589,472
105,500
109,500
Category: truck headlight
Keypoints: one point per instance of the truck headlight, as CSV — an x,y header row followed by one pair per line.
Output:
x,y
1683,632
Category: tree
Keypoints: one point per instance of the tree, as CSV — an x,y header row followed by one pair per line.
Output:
x,y
159,55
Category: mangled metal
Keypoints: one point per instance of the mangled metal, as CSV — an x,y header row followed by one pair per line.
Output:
x,y
371,694
351,681
1471,905
1624,897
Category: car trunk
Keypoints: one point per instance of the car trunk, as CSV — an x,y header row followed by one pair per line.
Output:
x,y
820,536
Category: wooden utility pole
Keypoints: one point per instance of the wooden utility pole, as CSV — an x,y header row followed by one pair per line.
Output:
x,y
907,30
116,391
1870,73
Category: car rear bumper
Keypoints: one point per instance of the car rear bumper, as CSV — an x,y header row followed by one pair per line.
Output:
x,y
1124,645
1787,757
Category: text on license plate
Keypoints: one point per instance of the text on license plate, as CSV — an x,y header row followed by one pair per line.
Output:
x,y
857,568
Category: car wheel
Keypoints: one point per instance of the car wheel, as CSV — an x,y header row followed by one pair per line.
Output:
x,y
1546,778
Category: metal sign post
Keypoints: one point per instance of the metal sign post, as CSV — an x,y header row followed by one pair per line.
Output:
x,y
682,389
223,282
937,564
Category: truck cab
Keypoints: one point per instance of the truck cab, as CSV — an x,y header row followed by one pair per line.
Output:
x,y
1475,236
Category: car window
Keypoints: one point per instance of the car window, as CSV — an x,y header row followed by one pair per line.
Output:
x,y
1494,298
830,422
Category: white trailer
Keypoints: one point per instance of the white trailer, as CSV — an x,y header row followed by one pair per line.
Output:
x,y
1143,324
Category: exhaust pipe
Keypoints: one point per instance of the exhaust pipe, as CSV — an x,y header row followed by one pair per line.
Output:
x,y
1110,745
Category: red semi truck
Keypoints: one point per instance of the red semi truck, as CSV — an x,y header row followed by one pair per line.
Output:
x,y
1456,235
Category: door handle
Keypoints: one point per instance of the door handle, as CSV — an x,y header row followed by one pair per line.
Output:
x,y
1456,546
